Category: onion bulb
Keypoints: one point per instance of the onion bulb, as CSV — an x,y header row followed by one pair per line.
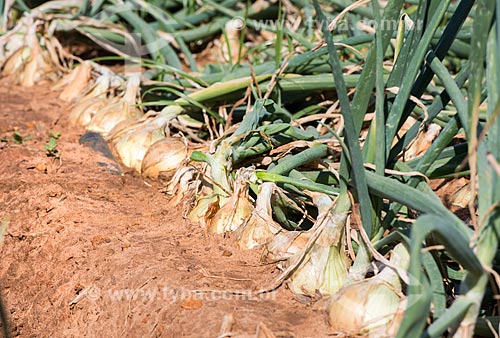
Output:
x,y
324,267
83,112
235,210
183,185
118,110
286,244
132,138
36,66
132,145
26,61
13,40
205,208
164,157
75,82
93,102
113,112
15,61
260,226
372,306
222,201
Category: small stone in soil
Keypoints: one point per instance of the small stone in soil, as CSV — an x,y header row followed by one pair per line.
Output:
x,y
191,304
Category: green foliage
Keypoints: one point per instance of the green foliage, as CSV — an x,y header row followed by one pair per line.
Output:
x,y
20,139
51,146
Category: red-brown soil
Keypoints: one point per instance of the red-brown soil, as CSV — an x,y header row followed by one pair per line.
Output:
x,y
91,254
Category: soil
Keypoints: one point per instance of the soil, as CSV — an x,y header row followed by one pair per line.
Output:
x,y
90,252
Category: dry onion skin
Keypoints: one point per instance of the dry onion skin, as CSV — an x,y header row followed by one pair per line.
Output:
x,y
422,142
183,185
462,197
13,40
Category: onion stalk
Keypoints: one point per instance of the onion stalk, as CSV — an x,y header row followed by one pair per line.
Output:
x,y
230,48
